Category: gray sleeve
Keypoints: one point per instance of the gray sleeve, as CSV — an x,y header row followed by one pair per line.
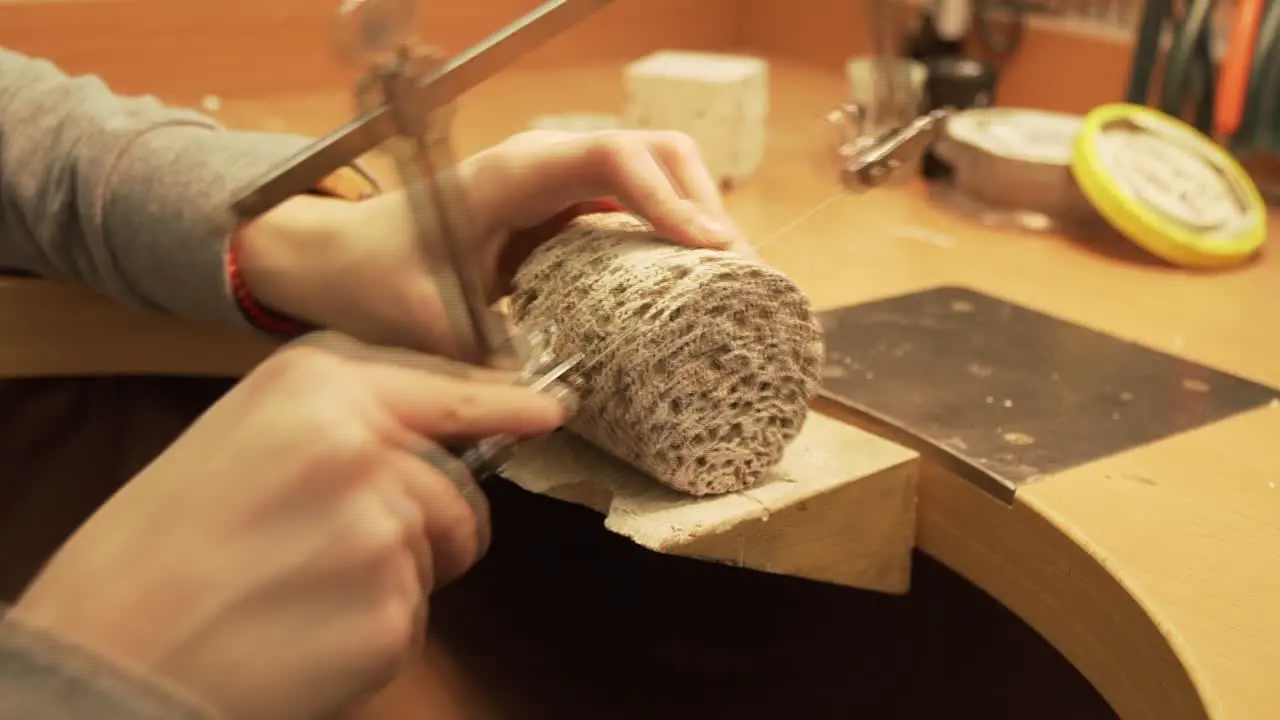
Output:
x,y
121,194
43,677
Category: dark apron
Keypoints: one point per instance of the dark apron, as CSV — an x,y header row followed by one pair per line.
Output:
x,y
67,444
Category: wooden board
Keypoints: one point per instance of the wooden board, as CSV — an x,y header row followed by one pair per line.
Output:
x,y
840,507
52,329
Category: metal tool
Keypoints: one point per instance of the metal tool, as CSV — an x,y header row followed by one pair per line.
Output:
x,y
380,34
487,456
434,89
869,163
1235,69
1190,70
869,160
1264,95
885,46
404,97
423,155
1000,26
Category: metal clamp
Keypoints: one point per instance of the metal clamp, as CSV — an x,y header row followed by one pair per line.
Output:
x,y
868,161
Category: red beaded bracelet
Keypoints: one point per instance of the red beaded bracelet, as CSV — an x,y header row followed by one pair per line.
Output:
x,y
346,183
258,315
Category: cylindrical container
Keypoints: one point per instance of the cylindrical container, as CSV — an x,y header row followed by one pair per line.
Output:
x,y
866,77
699,364
1014,159
866,88
959,83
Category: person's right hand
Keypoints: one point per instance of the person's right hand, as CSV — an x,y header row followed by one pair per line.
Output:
x,y
275,561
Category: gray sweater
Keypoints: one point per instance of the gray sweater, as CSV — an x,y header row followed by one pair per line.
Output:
x,y
121,194
44,678
128,197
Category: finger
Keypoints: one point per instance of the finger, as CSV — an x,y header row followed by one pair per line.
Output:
x,y
619,165
682,158
349,348
438,407
404,507
426,578
384,541
629,171
747,250
589,166
683,161
455,511
421,580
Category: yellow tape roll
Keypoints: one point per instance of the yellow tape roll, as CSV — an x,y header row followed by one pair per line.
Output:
x,y
1168,188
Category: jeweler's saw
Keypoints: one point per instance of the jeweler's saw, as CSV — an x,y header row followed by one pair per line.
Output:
x,y
380,27
404,97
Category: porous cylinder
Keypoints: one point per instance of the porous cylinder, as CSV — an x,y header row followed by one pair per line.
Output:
x,y
699,365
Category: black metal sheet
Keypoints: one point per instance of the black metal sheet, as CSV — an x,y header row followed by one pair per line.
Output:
x,y
1003,394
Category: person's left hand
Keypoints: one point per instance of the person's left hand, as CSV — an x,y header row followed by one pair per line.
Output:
x,y
357,267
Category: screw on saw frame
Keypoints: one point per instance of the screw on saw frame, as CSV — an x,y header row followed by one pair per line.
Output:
x,y
371,32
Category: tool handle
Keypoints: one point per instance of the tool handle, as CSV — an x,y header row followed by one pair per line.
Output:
x,y
1233,77
486,457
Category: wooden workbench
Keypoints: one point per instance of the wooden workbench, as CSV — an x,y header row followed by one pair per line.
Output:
x,y
1152,571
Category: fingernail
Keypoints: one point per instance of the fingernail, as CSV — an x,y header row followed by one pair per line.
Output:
x,y
715,233
566,396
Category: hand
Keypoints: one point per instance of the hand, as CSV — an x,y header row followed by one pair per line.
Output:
x,y
275,561
658,175
356,267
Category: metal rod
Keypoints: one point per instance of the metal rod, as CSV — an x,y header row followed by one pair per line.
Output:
x,y
884,43
304,171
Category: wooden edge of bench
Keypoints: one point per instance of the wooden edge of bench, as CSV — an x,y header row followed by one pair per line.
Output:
x,y
53,329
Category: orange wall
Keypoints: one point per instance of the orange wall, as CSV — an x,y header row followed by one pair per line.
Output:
x,y
1054,70
185,48
188,48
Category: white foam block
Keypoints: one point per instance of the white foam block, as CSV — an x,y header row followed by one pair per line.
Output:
x,y
576,122
721,101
